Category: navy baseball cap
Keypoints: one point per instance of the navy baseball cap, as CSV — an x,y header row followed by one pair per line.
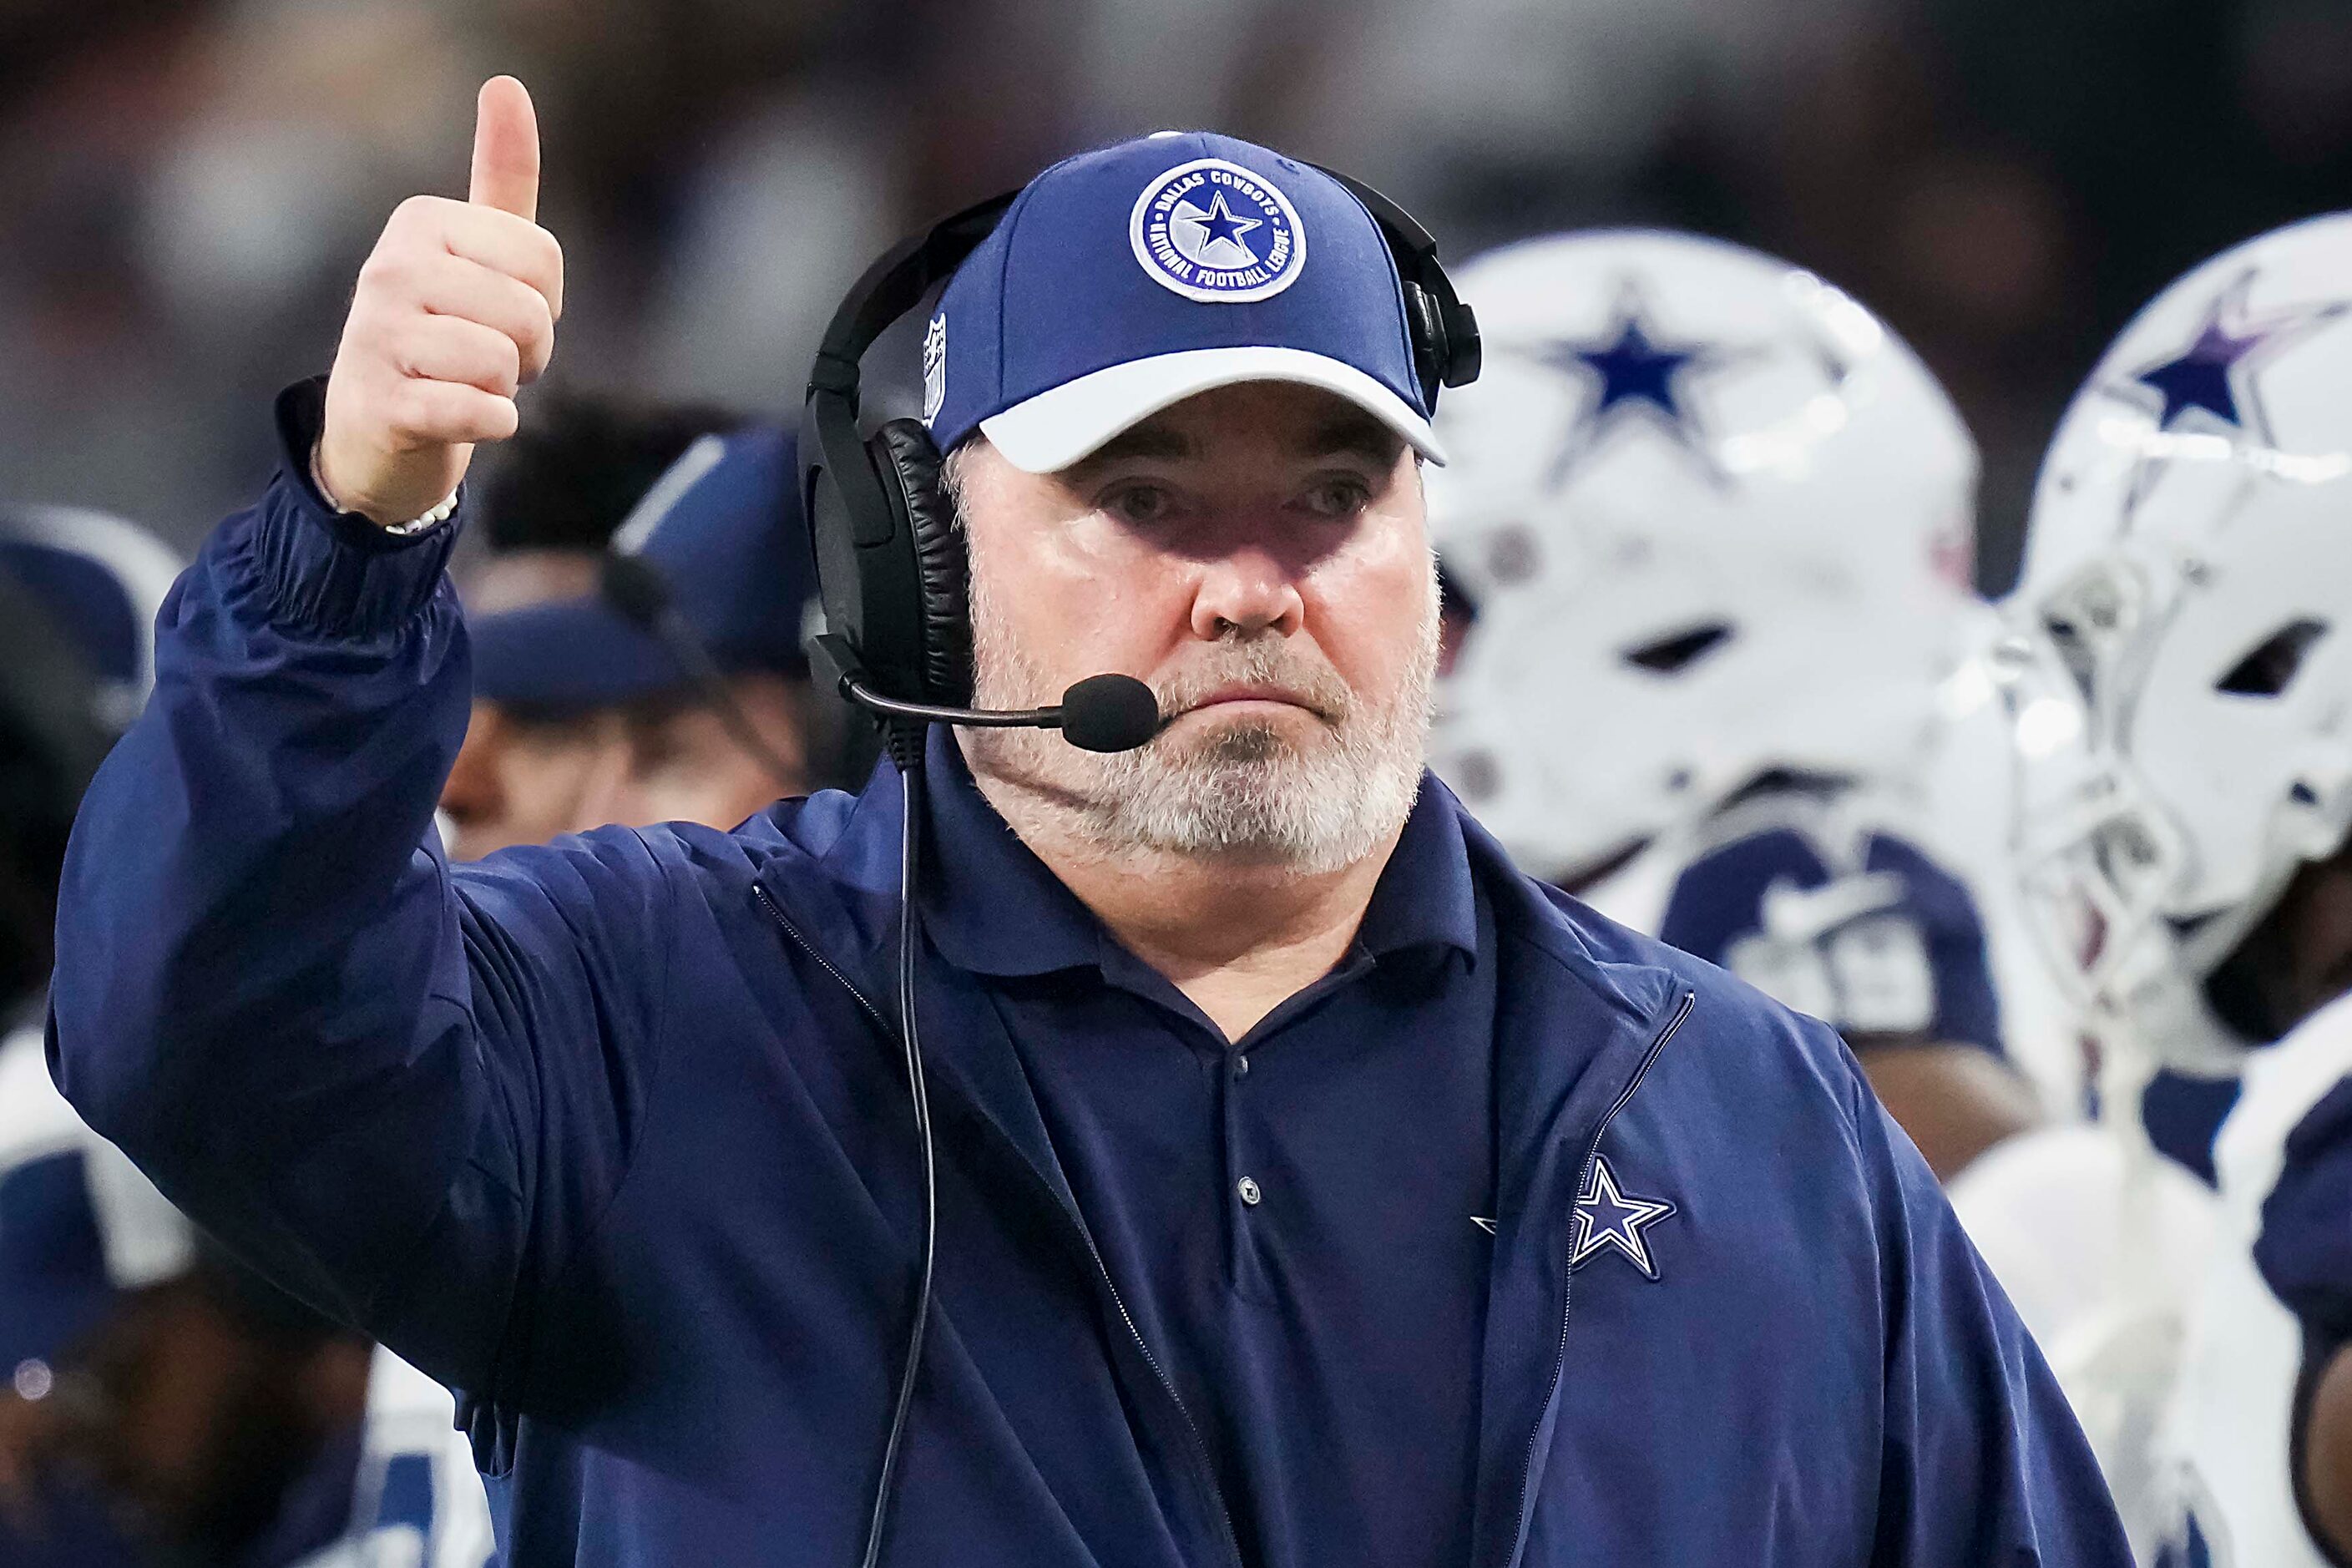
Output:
x,y
722,526
1124,280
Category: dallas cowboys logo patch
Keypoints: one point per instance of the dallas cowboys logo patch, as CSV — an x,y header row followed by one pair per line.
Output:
x,y
1214,231
1606,1216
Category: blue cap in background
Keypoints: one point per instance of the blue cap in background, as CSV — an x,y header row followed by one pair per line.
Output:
x,y
723,528
1126,279
78,1224
99,580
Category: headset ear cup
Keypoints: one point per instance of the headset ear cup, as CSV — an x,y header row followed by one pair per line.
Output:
x,y
1465,354
1428,346
905,459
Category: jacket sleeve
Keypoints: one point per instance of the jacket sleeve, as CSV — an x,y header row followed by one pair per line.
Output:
x,y
402,1090
1982,1460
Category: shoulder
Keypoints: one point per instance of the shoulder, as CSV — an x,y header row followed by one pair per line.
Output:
x,y
2284,1162
1804,837
831,844
2295,1103
1734,1035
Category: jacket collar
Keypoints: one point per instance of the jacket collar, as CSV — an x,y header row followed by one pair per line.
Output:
x,y
831,864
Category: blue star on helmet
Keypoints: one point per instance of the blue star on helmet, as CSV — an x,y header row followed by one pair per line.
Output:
x,y
1633,368
1606,1216
1219,224
2199,377
1635,373
2210,384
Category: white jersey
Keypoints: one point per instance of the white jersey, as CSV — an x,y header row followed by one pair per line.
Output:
x,y
417,1501
2101,1243
2226,1437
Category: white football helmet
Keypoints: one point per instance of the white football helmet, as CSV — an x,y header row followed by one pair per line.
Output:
x,y
1714,520
2185,689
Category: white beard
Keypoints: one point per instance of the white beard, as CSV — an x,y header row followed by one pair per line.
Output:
x,y
1247,791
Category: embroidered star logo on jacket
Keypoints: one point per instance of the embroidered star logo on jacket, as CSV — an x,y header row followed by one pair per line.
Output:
x,y
1606,1216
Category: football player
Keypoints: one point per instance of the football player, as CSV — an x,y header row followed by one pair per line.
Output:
x,y
2186,726
689,661
532,769
1709,529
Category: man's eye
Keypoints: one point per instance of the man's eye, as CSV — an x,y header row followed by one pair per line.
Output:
x,y
1139,503
1338,498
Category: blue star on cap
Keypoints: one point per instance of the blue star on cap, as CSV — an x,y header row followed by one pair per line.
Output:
x,y
1635,373
1606,1216
2212,379
1219,223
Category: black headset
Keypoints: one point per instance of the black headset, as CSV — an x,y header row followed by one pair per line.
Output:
x,y
891,566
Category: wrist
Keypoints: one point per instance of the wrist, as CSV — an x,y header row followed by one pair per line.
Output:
x,y
433,516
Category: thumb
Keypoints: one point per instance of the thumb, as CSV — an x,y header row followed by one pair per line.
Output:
x,y
506,149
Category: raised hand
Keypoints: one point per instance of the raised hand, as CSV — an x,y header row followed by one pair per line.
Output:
x,y
454,310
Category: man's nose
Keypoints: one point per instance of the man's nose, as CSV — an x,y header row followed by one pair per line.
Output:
x,y
1245,593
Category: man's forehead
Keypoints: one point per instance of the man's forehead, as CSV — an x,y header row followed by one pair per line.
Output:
x,y
1306,420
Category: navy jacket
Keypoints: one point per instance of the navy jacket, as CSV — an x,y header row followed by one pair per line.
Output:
x,y
613,1135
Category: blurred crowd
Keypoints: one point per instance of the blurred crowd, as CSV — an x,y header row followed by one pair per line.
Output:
x,y
186,189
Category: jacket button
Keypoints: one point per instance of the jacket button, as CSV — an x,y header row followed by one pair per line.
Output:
x,y
1241,1067
1247,1187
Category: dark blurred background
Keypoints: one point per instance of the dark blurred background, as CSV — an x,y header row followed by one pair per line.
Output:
x,y
187,187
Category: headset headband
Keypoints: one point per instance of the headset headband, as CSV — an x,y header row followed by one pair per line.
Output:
x,y
895,285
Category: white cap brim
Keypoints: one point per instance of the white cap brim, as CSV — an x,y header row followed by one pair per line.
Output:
x,y
1053,429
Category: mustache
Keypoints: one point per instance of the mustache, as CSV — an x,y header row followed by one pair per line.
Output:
x,y
1266,662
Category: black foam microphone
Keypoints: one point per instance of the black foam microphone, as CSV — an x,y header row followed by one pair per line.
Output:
x,y
1101,713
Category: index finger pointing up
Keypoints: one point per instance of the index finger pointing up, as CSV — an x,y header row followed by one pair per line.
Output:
x,y
506,149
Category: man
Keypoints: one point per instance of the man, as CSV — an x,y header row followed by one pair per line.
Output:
x,y
158,1398
705,712
2188,587
531,769
1705,505
1276,1114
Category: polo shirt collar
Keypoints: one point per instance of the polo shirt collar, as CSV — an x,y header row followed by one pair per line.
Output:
x,y
992,907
